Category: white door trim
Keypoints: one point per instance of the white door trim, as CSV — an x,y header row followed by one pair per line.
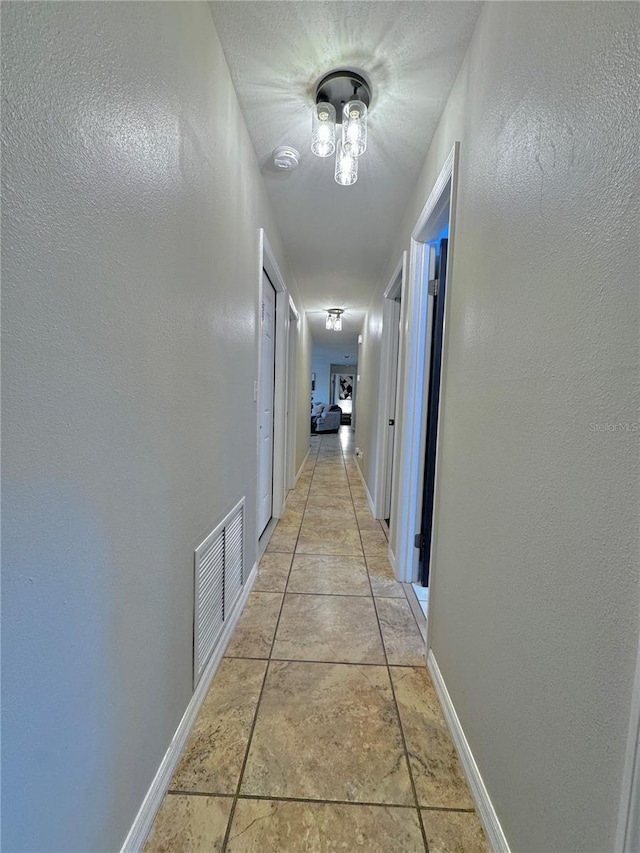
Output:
x,y
266,404
285,306
416,331
291,398
628,832
388,385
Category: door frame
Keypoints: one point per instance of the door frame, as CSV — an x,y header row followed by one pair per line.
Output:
x,y
293,335
266,401
417,320
628,829
391,346
284,432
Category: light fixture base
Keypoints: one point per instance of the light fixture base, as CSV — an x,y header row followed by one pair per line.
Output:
x,y
340,86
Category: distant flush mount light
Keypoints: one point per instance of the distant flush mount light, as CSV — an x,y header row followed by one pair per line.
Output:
x,y
334,319
286,158
342,97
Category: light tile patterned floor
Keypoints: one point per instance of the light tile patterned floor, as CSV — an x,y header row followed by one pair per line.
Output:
x,y
322,730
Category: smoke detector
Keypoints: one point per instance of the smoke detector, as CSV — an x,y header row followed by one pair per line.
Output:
x,y
286,159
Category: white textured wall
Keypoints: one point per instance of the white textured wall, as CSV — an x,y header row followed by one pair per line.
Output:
x,y
131,207
536,598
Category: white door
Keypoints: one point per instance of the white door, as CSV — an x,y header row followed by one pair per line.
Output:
x,y
394,330
267,385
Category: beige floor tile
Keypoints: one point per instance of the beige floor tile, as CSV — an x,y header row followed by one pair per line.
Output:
x,y
357,489
291,518
327,474
283,540
273,572
297,503
402,639
361,505
374,543
333,540
328,498
268,826
436,769
367,522
331,483
328,731
327,522
253,635
328,628
189,825
341,506
454,832
383,579
328,515
212,759
329,575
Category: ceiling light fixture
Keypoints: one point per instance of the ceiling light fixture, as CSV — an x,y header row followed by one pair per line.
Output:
x,y
334,319
341,97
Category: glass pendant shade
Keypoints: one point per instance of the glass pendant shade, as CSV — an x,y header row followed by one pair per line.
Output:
x,y
334,321
346,164
354,126
323,129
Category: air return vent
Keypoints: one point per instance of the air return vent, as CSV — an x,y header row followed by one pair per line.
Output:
x,y
219,576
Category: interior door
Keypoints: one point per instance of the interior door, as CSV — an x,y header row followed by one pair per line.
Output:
x,y
267,388
437,287
391,413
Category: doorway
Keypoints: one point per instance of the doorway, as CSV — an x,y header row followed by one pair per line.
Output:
x,y
437,289
415,509
278,331
266,402
388,392
342,390
291,395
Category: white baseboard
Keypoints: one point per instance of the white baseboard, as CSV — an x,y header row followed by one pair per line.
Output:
x,y
301,468
486,812
372,505
143,821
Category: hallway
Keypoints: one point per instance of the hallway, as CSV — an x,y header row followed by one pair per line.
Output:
x,y
321,730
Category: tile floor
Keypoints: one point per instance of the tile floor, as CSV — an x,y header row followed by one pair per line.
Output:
x,y
321,730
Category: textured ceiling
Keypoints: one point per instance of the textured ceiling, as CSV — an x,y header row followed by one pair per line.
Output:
x,y
338,239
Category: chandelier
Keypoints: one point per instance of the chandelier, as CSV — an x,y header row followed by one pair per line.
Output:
x,y
339,121
334,319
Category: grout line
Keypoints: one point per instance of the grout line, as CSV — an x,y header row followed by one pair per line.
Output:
x,y
237,795
448,809
330,594
327,802
176,792
395,702
333,662
259,702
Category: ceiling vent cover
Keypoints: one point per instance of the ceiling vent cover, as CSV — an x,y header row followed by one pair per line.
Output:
x,y
219,577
